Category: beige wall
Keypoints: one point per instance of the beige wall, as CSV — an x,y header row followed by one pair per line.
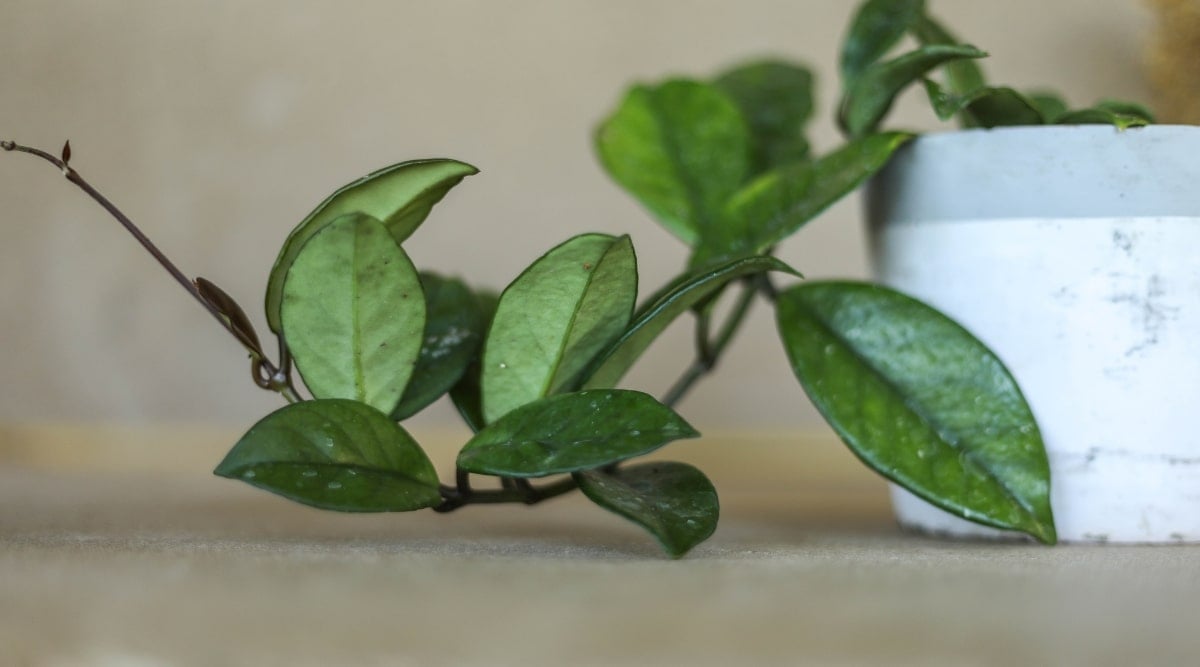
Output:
x,y
218,124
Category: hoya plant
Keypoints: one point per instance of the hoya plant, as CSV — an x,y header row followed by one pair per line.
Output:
x,y
364,340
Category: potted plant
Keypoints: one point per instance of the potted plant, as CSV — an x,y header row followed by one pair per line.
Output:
x,y
534,370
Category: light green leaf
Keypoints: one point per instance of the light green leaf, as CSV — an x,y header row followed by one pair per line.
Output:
x,y
353,313
554,318
876,27
680,148
777,204
573,432
454,329
335,454
921,401
776,98
870,96
400,196
674,502
654,318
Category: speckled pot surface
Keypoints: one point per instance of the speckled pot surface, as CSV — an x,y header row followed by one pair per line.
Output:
x,y
1074,252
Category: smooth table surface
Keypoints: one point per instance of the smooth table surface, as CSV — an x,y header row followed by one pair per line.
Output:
x,y
118,548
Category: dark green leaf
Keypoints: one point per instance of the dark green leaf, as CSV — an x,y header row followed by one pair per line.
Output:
x,y
780,202
870,96
1124,108
776,99
400,196
876,27
984,107
467,394
962,76
1122,115
573,432
1049,105
673,501
353,313
680,148
554,318
335,454
921,401
653,319
454,329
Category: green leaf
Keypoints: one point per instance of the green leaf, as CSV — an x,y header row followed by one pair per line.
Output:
x,y
962,76
777,204
776,98
680,148
1122,115
985,107
353,313
467,394
876,27
554,318
674,502
870,96
400,196
921,401
1049,105
335,454
454,329
653,319
573,432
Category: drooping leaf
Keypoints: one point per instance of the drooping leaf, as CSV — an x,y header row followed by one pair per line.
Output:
x,y
467,393
876,27
554,318
674,502
776,98
454,330
962,76
611,365
871,94
777,204
1122,115
573,432
680,148
985,107
353,313
236,318
400,196
921,401
335,454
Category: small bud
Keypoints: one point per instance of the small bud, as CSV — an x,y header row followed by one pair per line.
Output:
x,y
66,152
8,145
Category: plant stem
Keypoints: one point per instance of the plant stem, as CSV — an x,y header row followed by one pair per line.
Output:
x,y
708,352
515,490
266,374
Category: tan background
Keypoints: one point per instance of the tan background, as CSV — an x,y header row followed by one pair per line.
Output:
x,y
217,125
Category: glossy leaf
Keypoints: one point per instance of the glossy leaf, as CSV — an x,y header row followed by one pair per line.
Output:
x,y
236,318
467,393
921,401
870,96
353,313
877,26
554,318
962,76
680,148
454,330
776,98
400,196
335,454
776,205
573,432
674,502
652,320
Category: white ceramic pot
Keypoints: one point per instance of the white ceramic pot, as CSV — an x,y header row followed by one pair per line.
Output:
x,y
1074,253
